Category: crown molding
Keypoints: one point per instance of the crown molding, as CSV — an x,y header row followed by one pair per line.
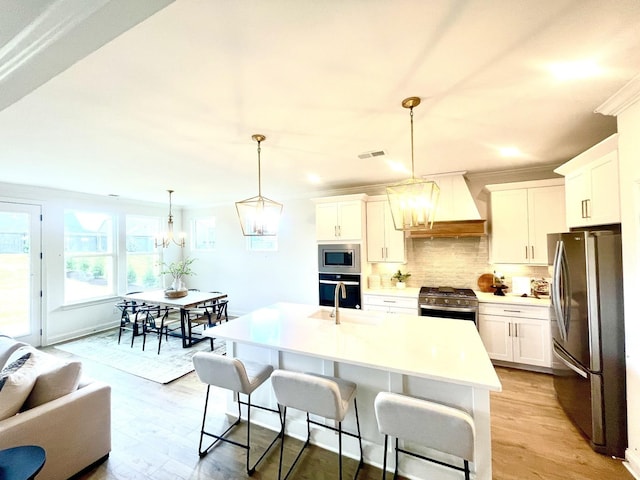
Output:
x,y
622,99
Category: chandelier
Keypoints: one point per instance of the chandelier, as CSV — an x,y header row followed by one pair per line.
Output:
x,y
168,237
258,215
413,202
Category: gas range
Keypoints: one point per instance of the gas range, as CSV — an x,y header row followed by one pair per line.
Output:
x,y
448,298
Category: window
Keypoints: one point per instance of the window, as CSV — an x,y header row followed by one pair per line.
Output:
x,y
262,244
203,233
89,256
143,259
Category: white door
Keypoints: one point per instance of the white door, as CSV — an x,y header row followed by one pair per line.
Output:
x,y
20,272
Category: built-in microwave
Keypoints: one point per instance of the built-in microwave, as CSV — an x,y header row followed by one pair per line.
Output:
x,y
339,258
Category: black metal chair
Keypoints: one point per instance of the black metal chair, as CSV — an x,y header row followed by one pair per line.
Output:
x,y
129,310
159,321
207,314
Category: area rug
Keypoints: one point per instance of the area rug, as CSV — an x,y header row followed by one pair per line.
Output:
x,y
172,363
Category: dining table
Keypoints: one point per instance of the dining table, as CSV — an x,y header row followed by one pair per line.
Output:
x,y
193,299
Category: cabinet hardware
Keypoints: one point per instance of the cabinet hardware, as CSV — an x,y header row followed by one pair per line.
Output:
x,y
533,252
386,252
526,252
512,311
515,328
509,329
585,208
382,251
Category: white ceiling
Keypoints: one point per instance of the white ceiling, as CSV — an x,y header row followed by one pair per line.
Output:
x,y
172,101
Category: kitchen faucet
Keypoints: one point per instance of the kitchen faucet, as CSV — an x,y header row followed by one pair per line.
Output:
x,y
336,301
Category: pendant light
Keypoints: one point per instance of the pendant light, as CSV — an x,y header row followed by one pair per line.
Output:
x,y
258,215
413,202
165,239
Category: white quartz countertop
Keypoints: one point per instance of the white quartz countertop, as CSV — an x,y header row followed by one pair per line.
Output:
x,y
512,299
410,292
434,348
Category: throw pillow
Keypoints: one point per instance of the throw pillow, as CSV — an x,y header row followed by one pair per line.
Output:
x,y
56,378
7,346
17,379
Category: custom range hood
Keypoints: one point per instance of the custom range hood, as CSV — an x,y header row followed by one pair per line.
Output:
x,y
457,214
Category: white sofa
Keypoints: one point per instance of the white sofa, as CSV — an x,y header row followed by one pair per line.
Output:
x,y
74,429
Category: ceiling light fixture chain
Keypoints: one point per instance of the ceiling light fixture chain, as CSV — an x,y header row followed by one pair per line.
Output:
x,y
164,240
259,138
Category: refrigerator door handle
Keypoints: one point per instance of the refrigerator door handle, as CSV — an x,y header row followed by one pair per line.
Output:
x,y
556,289
570,365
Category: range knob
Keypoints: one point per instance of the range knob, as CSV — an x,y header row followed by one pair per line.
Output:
x,y
458,301
446,300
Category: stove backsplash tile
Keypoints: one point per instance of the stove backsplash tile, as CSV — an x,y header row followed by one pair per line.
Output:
x,y
453,262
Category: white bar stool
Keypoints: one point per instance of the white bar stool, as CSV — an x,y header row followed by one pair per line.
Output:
x,y
440,427
232,374
328,397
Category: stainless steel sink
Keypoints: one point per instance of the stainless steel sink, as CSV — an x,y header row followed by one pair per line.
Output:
x,y
349,315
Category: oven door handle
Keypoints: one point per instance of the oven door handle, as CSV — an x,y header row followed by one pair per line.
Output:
x,y
335,282
447,308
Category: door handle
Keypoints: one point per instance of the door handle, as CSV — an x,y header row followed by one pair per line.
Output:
x,y
569,365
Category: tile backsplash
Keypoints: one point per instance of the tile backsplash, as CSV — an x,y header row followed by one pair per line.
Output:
x,y
453,262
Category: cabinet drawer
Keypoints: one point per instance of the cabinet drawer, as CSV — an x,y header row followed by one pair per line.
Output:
x,y
391,301
510,310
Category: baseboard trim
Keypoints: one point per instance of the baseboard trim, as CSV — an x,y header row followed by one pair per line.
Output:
x,y
632,463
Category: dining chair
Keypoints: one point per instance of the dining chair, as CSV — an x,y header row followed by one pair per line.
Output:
x,y
160,321
129,310
207,314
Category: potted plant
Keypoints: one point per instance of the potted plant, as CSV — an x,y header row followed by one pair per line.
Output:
x,y
178,270
400,278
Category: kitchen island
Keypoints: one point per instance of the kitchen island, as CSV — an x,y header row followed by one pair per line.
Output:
x,y
439,359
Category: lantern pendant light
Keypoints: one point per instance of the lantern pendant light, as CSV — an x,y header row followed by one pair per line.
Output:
x,y
259,216
413,202
165,239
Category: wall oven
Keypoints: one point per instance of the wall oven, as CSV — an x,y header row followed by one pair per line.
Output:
x,y
327,286
447,302
339,258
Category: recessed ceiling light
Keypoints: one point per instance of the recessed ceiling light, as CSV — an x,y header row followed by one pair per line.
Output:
x,y
510,152
313,178
397,166
575,70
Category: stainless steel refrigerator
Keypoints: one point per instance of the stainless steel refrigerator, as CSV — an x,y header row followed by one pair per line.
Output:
x,y
588,335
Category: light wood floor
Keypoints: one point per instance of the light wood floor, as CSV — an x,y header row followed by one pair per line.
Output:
x,y
155,432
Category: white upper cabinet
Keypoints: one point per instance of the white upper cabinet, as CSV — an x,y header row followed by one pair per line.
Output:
x,y
592,185
340,218
522,214
384,242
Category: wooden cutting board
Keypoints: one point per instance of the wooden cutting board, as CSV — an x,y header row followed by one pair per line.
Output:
x,y
484,283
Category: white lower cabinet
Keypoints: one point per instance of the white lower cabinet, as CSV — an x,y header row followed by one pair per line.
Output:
x,y
390,304
516,333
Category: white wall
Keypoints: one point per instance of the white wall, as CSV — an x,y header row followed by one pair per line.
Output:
x,y
255,279
629,154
